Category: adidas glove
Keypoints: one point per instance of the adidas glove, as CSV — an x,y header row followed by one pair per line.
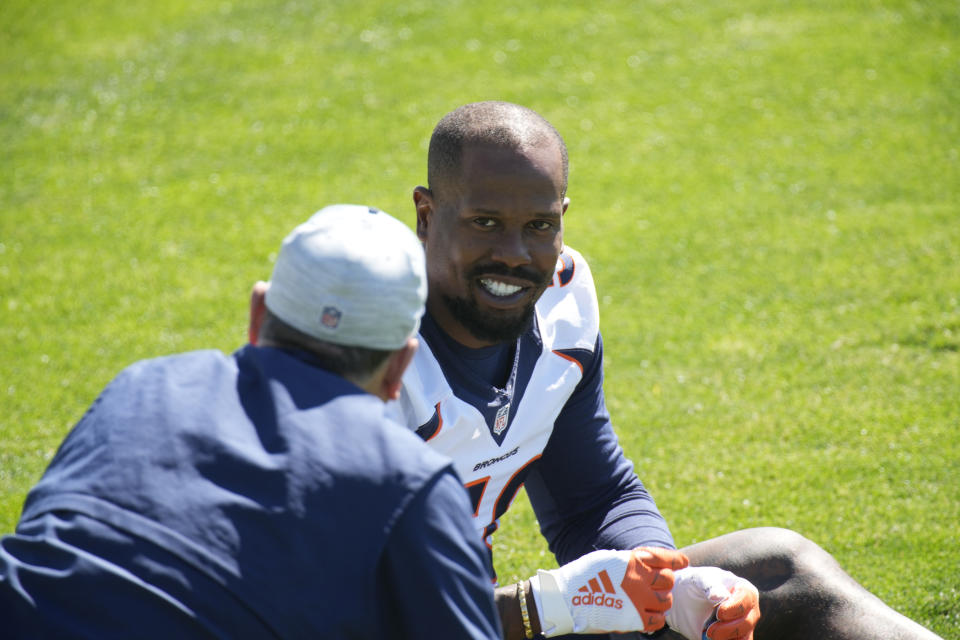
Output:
x,y
607,591
712,604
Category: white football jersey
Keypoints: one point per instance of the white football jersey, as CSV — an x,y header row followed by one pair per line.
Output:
x,y
493,434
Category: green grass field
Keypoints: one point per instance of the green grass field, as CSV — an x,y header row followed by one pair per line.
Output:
x,y
768,192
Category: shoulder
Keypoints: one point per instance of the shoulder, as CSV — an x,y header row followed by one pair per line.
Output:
x,y
568,312
412,454
371,445
203,365
163,384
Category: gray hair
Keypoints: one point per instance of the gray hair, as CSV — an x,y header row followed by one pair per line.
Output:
x,y
354,363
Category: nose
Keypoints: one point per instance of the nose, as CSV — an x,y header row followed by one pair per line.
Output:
x,y
511,248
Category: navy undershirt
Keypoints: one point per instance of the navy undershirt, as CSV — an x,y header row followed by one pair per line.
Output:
x,y
491,364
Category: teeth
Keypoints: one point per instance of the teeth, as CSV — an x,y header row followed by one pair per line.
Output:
x,y
499,288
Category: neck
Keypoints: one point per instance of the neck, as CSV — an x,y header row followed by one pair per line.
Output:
x,y
372,383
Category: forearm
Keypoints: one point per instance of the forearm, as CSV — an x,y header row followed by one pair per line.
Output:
x,y
511,617
625,517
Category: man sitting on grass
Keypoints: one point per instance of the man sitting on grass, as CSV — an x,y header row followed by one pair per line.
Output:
x,y
509,383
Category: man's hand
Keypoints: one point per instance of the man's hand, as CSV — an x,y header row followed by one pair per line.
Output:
x,y
607,591
705,596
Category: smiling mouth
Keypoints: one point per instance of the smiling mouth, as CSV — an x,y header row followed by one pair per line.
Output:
x,y
498,288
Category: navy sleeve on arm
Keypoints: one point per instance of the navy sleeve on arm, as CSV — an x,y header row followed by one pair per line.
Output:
x,y
583,490
433,579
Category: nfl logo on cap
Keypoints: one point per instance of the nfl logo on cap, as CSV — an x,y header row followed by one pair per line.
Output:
x,y
351,275
331,317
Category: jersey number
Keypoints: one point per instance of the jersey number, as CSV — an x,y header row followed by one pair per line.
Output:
x,y
477,488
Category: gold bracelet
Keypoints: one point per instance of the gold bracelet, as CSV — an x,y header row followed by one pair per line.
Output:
x,y
522,596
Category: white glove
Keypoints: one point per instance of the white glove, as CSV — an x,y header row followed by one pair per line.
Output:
x,y
607,591
697,594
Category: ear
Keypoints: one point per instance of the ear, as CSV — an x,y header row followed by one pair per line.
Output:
x,y
566,203
423,201
258,308
397,363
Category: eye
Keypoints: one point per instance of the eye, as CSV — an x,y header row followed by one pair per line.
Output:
x,y
484,222
542,225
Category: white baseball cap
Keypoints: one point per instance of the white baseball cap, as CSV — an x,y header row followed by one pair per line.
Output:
x,y
352,275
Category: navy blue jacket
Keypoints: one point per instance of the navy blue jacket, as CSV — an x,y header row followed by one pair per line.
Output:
x,y
247,496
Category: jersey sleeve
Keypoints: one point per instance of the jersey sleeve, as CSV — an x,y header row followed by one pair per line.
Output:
x,y
583,490
433,574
